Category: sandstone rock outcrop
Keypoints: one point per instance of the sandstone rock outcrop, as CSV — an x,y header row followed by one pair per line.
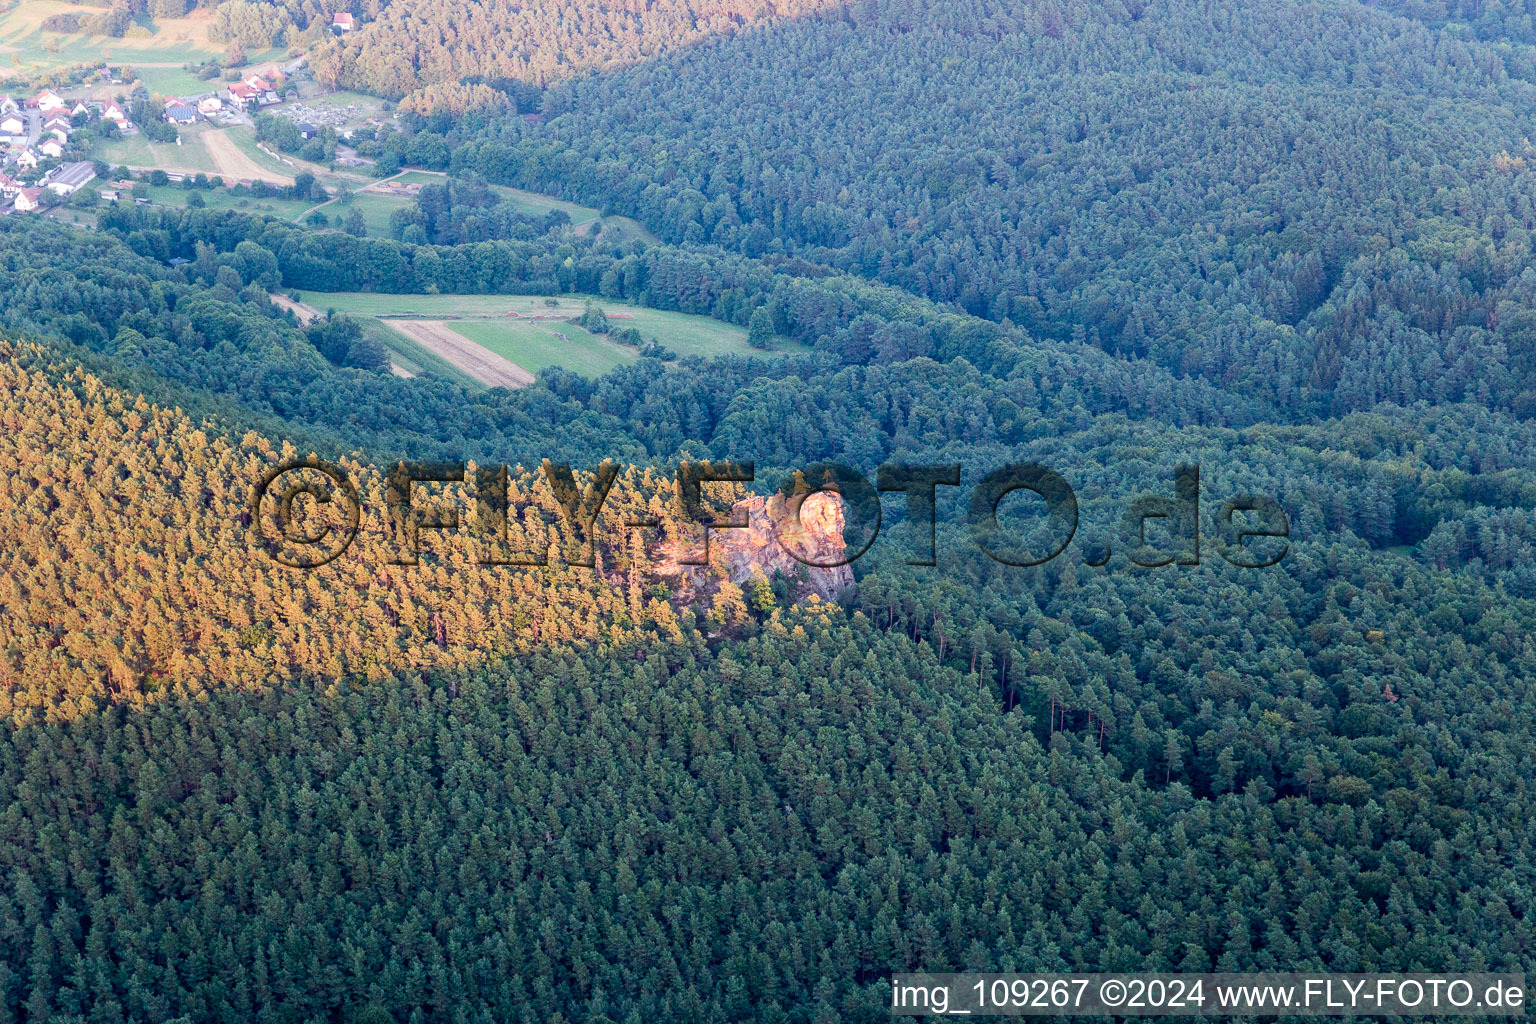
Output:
x,y
769,544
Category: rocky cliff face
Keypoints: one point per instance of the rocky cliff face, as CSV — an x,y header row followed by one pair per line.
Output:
x,y
763,547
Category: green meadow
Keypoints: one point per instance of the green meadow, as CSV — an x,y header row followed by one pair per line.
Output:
x,y
533,344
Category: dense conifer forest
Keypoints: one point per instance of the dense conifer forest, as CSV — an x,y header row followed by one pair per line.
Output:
x,y
1316,204
1289,243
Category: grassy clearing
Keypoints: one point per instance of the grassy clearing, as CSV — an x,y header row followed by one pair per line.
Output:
x,y
537,204
73,215
137,151
174,81
223,199
262,58
582,217
683,333
132,150
420,178
626,227
376,210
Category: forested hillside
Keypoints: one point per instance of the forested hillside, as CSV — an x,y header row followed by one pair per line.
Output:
x,y
1485,19
1063,769
1290,243
407,46
191,597
1319,204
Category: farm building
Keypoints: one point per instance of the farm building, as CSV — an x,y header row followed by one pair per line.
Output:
x,y
68,178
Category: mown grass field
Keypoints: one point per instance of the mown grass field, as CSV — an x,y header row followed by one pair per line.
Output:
x,y
626,227
25,47
376,210
535,344
223,199
683,333
137,151
174,81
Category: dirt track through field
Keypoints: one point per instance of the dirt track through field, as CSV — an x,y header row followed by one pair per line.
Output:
x,y
306,313
480,363
232,163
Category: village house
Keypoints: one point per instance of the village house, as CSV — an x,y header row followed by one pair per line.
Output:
x,y
13,127
9,186
8,105
209,105
27,160
49,101
119,117
27,200
342,22
179,112
263,91
80,107
241,95
51,148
